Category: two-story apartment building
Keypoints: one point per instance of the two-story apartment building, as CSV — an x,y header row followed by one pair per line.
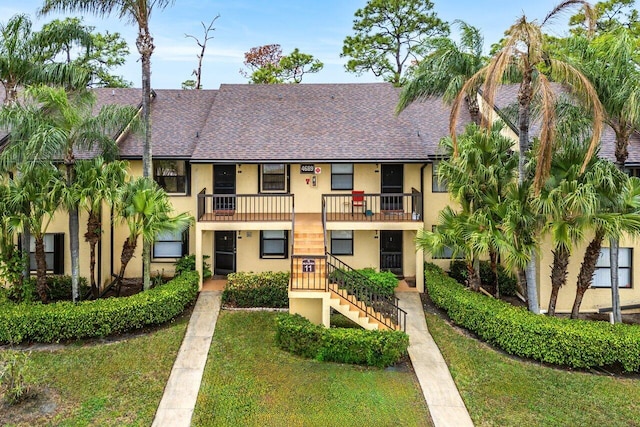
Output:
x,y
276,174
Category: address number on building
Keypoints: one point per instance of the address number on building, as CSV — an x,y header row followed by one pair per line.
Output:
x,y
308,265
307,168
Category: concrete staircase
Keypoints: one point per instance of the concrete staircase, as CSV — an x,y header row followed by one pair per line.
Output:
x,y
309,241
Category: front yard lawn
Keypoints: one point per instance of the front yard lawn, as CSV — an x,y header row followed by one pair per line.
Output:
x,y
502,391
250,381
107,384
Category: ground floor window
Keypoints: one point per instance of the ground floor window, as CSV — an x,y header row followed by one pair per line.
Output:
x,y
53,252
447,252
274,243
171,244
342,242
602,276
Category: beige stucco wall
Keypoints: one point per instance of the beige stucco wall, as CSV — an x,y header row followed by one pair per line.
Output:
x,y
312,305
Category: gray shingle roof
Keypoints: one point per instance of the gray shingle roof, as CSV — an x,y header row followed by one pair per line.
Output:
x,y
311,122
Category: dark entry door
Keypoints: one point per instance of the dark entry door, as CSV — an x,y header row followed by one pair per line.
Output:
x,y
391,251
224,252
224,182
392,183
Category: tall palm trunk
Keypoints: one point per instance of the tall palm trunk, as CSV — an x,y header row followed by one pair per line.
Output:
x,y
615,290
588,267
474,108
128,248
558,276
92,236
41,270
493,259
145,46
473,275
74,231
525,95
25,243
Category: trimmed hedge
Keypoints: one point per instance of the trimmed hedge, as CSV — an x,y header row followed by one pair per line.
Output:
x,y
298,335
268,289
67,321
566,342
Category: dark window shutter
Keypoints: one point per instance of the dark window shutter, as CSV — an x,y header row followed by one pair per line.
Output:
x,y
187,174
19,242
185,242
58,253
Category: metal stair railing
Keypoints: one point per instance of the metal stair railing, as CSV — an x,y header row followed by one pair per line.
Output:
x,y
386,309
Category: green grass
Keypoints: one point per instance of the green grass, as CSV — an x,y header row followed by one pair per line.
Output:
x,y
249,381
114,384
499,390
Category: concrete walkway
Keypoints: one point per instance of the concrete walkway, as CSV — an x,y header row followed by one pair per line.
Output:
x,y
440,392
181,391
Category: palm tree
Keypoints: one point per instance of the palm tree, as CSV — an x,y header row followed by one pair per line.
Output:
x,y
40,188
50,130
97,182
444,71
523,56
25,58
137,12
610,62
145,209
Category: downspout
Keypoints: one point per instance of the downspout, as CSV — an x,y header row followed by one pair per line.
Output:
x,y
422,185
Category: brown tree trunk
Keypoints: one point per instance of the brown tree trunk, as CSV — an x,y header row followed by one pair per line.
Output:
x,y
474,109
588,267
92,236
41,270
128,248
521,281
558,276
473,277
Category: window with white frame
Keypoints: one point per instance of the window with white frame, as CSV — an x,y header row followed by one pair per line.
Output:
x,y
342,176
273,243
170,244
172,175
437,185
273,178
602,275
342,242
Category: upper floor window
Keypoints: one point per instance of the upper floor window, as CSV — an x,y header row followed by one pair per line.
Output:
x,y
273,178
602,276
172,175
437,185
171,244
633,172
342,176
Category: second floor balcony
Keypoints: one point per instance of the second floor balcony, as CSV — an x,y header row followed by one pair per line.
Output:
x,y
245,207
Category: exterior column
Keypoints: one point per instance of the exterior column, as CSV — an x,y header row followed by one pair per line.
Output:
x,y
420,269
198,254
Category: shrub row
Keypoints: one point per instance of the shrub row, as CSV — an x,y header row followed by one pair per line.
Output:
x,y
66,321
506,282
298,335
565,342
58,289
382,283
269,289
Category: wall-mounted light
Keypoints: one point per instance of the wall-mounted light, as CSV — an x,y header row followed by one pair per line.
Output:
x,y
377,169
376,235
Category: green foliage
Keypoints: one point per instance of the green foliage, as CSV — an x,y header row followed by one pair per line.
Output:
x,y
565,342
281,69
188,263
382,283
67,321
268,289
12,264
298,335
15,378
506,282
390,35
58,289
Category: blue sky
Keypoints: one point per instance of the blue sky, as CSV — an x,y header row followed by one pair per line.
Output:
x,y
315,27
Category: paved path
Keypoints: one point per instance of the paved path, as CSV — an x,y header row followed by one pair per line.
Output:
x,y
181,392
442,396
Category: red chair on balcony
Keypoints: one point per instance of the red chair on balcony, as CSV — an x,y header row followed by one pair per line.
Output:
x,y
358,201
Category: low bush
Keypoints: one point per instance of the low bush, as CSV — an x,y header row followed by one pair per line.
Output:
x,y
188,263
565,342
382,283
58,289
67,321
268,289
16,381
298,335
506,281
